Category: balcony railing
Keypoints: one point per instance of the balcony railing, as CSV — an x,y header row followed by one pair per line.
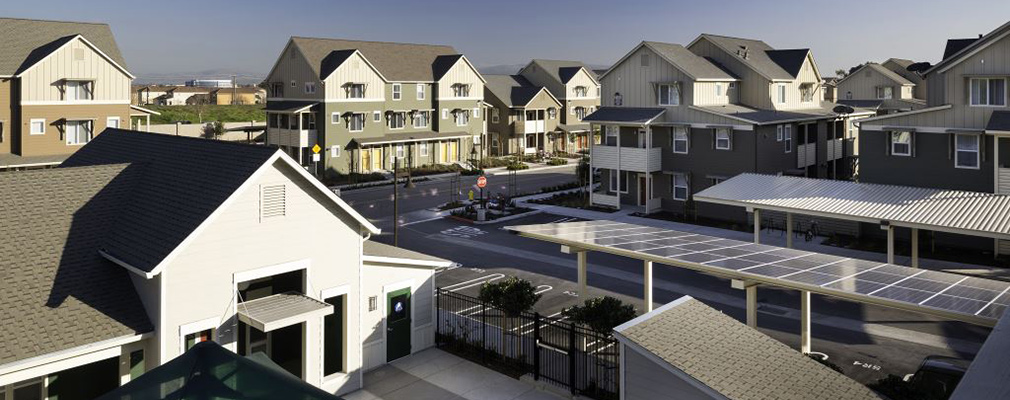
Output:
x,y
604,199
627,158
291,137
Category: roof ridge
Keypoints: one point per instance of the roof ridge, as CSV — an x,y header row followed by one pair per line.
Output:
x,y
191,138
376,41
54,20
735,37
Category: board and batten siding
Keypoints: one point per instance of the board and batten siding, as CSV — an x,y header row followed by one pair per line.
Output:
x,y
356,70
754,90
199,282
462,73
705,93
581,78
293,67
646,380
863,85
637,83
422,305
806,76
75,60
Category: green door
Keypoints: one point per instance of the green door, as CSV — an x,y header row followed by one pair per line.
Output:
x,y
397,324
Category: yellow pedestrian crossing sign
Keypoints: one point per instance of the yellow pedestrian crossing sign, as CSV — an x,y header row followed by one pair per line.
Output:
x,y
316,149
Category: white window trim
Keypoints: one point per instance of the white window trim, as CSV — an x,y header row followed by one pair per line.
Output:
x,y
335,151
391,118
787,138
978,153
31,124
427,121
674,186
445,113
675,100
343,290
729,139
335,117
66,136
350,122
686,140
110,119
197,327
894,151
397,92
1006,92
615,182
423,149
310,87
420,91
780,93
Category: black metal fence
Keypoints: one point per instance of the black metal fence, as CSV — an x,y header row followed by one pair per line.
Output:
x,y
545,348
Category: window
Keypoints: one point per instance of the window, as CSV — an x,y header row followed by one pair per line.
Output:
x,y
618,99
376,116
885,92
421,119
612,132
494,115
848,95
310,87
669,95
988,91
373,303
778,133
679,184
680,140
966,155
807,92
28,391
462,117
598,91
476,112
623,180
580,113
137,364
397,120
787,138
356,123
112,122
645,60
580,91
333,337
356,91
335,118
399,151
423,150
293,83
732,85
397,91
782,93
552,113
205,335
445,113
77,132
461,90
722,139
277,89
334,151
901,143
716,181
78,90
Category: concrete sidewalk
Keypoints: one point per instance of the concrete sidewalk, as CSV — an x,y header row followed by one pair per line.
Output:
x,y
437,375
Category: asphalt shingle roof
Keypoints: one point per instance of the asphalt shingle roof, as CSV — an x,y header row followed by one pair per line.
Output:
x,y
692,64
762,116
396,61
513,90
24,42
735,360
999,121
624,114
376,249
757,59
955,45
790,60
58,292
186,179
561,70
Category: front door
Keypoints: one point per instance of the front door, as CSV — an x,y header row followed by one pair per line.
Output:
x,y
454,151
443,152
643,194
376,158
366,159
397,324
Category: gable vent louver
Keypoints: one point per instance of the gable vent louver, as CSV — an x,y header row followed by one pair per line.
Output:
x,y
273,201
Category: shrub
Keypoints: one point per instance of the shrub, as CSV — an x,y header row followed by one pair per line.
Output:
x,y
513,296
601,314
493,163
517,166
557,161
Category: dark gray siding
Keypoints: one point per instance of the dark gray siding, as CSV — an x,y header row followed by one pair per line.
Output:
x,y
932,165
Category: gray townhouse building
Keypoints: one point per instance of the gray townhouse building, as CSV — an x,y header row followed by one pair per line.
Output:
x,y
366,104
542,108
887,87
961,139
678,119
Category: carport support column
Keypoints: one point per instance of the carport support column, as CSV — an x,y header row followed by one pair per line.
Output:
x,y
915,247
582,272
804,322
752,303
890,244
789,230
648,285
757,226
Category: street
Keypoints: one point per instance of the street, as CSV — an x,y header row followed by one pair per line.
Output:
x,y
867,342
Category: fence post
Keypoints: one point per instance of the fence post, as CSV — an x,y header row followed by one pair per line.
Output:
x,y
438,316
536,346
571,358
483,329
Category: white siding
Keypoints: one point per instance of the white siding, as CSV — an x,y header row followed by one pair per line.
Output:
x,y
356,70
460,73
75,60
373,328
581,79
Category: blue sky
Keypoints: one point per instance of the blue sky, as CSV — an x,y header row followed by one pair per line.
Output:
x,y
181,36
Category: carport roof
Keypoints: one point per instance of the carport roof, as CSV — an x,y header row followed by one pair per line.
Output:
x,y
954,211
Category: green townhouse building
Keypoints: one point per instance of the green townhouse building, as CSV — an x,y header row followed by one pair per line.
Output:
x,y
367,104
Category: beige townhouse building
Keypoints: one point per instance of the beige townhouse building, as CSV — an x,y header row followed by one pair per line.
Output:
x,y
887,87
366,104
61,83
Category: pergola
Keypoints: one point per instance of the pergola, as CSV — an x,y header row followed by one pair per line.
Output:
x,y
951,296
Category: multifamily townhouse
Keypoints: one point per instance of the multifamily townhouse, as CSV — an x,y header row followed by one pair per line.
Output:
x,y
521,115
368,104
881,87
960,140
576,86
152,243
679,119
60,84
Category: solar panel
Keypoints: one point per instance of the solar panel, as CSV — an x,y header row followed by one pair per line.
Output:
x,y
822,273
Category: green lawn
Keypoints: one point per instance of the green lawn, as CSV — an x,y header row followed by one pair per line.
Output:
x,y
223,113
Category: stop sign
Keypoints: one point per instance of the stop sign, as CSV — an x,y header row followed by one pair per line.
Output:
x,y
481,181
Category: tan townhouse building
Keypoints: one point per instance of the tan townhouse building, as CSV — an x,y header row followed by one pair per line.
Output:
x,y
367,104
576,86
887,87
60,84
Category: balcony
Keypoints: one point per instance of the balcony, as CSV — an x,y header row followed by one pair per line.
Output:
x,y
291,137
604,199
835,149
806,155
634,159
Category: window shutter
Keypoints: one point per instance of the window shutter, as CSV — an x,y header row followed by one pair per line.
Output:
x,y
911,143
950,146
273,201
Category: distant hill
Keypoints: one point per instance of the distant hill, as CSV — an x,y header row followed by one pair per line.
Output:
x,y
178,78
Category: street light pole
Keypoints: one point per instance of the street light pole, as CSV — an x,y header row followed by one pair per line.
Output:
x,y
396,208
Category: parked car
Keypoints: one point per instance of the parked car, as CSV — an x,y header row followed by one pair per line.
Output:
x,y
937,376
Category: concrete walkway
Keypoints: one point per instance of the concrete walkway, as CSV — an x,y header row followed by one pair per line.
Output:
x,y
436,375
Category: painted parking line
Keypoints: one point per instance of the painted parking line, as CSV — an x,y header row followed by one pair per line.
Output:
x,y
539,289
473,282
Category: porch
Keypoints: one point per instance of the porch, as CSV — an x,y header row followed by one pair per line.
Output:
x,y
292,125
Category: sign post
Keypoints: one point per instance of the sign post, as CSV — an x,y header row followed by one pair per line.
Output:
x,y
315,158
481,183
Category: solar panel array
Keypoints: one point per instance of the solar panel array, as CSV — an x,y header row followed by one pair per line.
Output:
x,y
958,294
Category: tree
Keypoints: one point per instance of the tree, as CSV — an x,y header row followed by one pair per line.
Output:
x,y
513,296
841,73
601,314
582,171
213,130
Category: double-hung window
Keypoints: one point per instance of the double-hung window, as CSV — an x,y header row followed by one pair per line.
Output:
x,y
722,139
397,91
669,94
420,91
680,140
462,117
421,119
580,113
397,120
77,132
552,113
310,87
807,92
356,123
718,89
966,151
399,151
356,91
680,188
78,90
787,138
423,150
782,93
988,91
112,122
494,115
461,90
901,143
612,132
580,91
885,92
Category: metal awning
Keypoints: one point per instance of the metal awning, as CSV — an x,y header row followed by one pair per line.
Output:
x,y
953,211
281,310
290,106
574,127
958,297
